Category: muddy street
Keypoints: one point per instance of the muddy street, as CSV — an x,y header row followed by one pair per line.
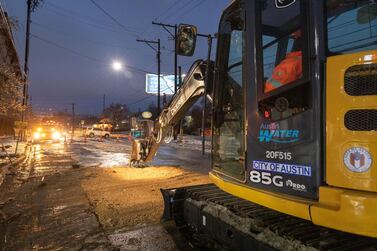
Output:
x,y
73,197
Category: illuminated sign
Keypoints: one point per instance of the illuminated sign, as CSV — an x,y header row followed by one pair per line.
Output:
x,y
166,84
146,115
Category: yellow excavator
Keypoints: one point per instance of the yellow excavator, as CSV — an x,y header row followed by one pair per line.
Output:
x,y
294,122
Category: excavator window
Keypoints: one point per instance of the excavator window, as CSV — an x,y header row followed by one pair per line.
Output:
x,y
229,133
351,26
284,83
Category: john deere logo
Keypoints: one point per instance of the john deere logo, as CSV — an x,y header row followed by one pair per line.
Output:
x,y
284,3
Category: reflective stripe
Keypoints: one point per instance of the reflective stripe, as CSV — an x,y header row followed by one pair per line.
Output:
x,y
274,83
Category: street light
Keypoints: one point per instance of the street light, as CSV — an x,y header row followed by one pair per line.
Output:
x,y
117,65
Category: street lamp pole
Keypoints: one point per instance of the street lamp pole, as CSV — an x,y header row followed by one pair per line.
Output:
x,y
158,51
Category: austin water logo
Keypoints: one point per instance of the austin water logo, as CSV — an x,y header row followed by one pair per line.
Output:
x,y
357,159
273,133
284,3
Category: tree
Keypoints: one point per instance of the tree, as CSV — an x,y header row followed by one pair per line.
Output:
x,y
152,108
194,120
11,91
116,113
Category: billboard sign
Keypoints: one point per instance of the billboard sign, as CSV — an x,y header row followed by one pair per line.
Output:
x,y
166,84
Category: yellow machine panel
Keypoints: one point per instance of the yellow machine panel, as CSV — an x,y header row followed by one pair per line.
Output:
x,y
351,149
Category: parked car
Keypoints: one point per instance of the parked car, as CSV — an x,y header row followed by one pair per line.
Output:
x,y
96,132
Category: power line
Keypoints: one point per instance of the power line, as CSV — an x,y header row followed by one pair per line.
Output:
x,y
84,39
136,69
141,100
73,13
67,49
194,7
151,44
81,20
147,30
182,10
174,35
176,3
113,18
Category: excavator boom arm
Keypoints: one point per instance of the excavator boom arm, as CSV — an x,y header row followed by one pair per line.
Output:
x,y
192,89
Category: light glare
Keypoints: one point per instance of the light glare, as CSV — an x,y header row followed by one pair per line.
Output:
x,y
117,66
56,135
37,135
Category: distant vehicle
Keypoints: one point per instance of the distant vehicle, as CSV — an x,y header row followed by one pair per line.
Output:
x,y
92,132
48,132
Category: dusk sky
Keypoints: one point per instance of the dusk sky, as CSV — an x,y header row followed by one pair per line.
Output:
x,y
73,44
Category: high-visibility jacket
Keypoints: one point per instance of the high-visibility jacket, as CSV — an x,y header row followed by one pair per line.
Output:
x,y
288,71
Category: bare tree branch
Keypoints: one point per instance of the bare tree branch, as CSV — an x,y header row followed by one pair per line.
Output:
x,y
11,91
35,4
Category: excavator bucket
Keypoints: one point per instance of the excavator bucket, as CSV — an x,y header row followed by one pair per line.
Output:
x,y
136,151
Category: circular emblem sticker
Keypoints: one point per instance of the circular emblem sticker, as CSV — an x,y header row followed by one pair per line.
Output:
x,y
357,159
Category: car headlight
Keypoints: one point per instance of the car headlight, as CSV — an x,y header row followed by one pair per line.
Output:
x,y
37,135
56,135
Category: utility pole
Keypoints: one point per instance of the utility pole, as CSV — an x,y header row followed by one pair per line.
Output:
x,y
159,76
158,51
174,36
26,67
73,121
180,127
104,103
180,76
209,42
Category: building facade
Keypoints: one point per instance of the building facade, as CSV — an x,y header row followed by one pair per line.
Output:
x,y
11,77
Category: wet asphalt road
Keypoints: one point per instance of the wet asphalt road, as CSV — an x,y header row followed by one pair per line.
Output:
x,y
111,153
44,211
188,159
44,207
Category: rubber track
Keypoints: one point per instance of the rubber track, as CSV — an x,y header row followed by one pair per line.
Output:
x,y
285,225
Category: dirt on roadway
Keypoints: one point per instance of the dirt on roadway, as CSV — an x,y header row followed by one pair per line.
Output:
x,y
129,197
49,203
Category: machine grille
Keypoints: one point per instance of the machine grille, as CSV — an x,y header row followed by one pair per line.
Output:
x,y
360,80
361,120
